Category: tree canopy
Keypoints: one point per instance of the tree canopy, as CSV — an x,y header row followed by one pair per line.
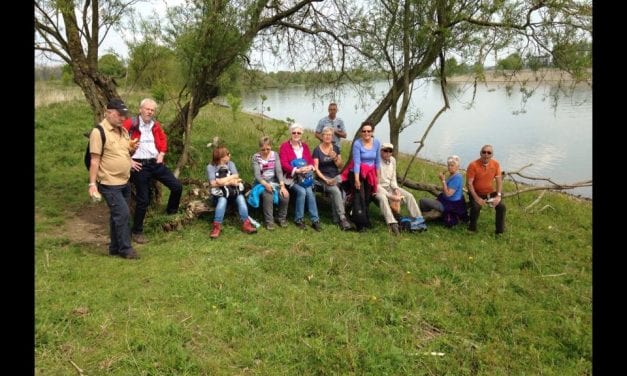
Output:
x,y
206,42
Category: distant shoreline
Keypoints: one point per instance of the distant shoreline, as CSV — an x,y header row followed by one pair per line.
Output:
x,y
523,75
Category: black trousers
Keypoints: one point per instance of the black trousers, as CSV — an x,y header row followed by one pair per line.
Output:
x,y
142,180
475,209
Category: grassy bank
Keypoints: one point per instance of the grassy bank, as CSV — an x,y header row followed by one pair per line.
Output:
x,y
300,303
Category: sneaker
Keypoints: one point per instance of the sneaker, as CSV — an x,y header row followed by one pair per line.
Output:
x,y
394,229
283,223
139,239
270,226
130,255
344,224
316,226
300,224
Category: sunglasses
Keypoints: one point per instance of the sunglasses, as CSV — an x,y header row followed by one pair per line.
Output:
x,y
387,150
366,131
488,152
297,132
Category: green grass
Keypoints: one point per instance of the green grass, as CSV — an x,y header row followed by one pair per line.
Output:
x,y
302,303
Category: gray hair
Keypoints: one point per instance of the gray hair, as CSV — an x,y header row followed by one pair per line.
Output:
x,y
453,158
146,101
295,126
328,129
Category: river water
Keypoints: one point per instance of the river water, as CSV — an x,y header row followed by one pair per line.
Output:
x,y
555,136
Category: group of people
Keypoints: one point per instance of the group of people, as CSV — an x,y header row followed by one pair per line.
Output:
x,y
136,146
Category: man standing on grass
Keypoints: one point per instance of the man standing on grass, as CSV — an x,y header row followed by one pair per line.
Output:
x,y
480,176
147,163
109,172
339,130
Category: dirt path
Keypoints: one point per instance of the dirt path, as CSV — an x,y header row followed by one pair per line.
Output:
x,y
89,226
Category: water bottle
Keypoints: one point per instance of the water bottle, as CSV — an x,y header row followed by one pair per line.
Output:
x,y
253,222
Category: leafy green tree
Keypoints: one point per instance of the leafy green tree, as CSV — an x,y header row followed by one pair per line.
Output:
x,y
66,75
73,31
576,55
110,65
408,38
210,36
151,64
512,62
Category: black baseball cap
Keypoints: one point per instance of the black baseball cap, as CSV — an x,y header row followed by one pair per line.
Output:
x,y
117,104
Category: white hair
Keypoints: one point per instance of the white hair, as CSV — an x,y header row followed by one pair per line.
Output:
x,y
147,101
296,126
453,158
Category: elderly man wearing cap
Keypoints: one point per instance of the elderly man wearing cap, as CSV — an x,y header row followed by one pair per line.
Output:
x,y
388,190
109,174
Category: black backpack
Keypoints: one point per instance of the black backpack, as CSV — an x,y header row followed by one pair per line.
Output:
x,y
87,157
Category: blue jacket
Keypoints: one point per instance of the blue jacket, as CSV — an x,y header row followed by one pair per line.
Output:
x,y
256,191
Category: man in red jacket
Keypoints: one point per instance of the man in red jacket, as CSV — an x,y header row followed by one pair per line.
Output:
x,y
147,163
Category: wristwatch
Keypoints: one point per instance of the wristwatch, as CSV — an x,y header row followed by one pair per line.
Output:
x,y
499,194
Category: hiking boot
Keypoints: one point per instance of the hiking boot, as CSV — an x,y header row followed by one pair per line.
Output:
x,y
130,255
345,224
394,229
215,231
270,226
300,224
248,227
139,238
316,226
283,223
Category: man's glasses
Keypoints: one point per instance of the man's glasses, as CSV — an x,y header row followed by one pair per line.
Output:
x,y
387,150
366,131
488,152
297,132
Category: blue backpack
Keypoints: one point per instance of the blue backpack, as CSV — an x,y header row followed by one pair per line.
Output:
x,y
304,180
413,224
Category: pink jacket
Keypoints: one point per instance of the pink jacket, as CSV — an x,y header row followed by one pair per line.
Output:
x,y
287,155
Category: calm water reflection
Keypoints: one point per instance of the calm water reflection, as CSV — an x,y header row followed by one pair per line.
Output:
x,y
555,138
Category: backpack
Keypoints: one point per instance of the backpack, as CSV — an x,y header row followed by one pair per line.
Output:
x,y
87,157
413,224
305,180
359,213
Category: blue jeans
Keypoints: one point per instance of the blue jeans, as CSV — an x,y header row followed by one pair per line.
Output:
x,y
301,194
220,203
142,180
117,197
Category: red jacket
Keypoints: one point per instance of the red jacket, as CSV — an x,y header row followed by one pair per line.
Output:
x,y
161,141
287,155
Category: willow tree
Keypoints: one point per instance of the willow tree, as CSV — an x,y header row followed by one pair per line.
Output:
x,y
73,31
408,39
208,37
